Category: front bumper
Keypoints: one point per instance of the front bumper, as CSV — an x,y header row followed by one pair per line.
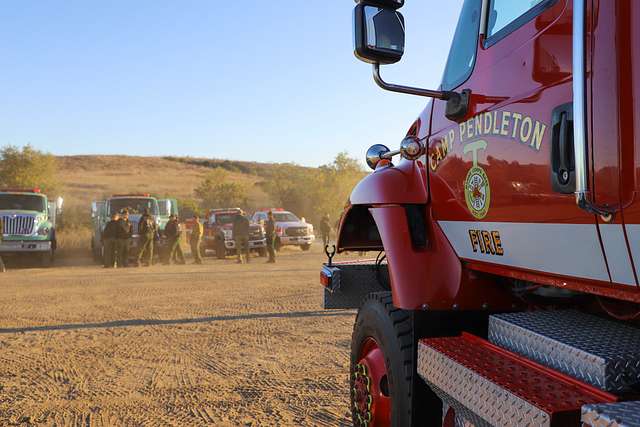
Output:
x,y
24,246
296,240
253,244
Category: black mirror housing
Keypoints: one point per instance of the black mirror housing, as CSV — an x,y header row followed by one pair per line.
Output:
x,y
379,34
389,4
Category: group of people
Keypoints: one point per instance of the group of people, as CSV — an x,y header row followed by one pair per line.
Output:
x,y
117,234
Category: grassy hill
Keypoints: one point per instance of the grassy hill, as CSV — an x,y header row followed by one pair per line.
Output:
x,y
86,178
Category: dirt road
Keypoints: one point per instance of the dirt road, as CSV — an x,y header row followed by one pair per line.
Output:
x,y
218,344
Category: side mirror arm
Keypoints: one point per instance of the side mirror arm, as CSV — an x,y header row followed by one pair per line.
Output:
x,y
457,103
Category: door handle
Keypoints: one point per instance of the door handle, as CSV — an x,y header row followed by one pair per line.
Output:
x,y
562,156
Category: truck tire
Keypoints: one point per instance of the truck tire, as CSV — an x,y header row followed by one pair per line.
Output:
x,y
385,387
305,247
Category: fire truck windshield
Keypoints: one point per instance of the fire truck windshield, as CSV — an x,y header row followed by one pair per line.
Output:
x,y
133,205
285,217
22,202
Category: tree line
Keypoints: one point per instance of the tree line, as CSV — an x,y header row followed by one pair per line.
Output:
x,y
308,192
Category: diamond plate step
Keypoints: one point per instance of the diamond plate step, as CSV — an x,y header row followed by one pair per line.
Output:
x,y
624,414
489,386
594,350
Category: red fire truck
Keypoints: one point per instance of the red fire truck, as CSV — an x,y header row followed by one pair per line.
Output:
x,y
505,292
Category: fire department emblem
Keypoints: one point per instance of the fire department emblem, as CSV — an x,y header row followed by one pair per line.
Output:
x,y
477,191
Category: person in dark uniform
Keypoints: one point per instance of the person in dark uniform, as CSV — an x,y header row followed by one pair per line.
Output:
x,y
2,267
147,230
196,239
270,232
241,236
325,230
109,241
124,238
173,233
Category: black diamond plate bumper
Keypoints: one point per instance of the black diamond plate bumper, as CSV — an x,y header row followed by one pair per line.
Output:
x,y
597,351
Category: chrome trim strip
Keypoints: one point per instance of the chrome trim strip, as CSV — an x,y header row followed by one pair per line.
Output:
x,y
484,17
580,114
579,102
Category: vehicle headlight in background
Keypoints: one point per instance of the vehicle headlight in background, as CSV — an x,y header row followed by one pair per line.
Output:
x,y
44,231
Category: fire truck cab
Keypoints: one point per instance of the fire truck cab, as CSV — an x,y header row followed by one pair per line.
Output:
x,y
507,224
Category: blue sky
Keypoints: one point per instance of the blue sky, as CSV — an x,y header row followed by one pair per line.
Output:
x,y
248,80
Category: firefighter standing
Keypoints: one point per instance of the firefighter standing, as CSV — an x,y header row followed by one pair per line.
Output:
x,y
173,233
147,230
325,230
196,239
125,231
241,236
109,241
270,232
2,267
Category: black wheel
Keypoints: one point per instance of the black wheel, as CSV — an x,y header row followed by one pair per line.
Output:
x,y
278,245
385,387
305,247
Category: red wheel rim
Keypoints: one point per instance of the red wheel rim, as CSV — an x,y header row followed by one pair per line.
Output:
x,y
371,399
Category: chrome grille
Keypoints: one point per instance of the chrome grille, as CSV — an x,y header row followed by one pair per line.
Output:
x,y
296,231
18,225
255,233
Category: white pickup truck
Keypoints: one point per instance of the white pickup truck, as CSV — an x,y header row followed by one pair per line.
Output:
x,y
290,230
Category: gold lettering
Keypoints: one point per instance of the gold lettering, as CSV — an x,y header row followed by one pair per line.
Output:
x,y
433,163
488,122
486,238
516,122
438,153
478,121
473,236
525,130
506,118
494,130
497,242
538,135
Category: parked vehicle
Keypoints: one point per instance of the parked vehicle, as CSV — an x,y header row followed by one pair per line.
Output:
x,y
290,230
218,235
29,221
136,205
505,291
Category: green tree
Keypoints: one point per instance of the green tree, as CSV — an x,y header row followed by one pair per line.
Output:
x,y
217,191
313,193
28,168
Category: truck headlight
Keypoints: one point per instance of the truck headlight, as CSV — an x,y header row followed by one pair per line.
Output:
x,y
44,231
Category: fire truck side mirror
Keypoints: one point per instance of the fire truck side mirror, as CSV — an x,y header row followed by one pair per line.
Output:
x,y
379,33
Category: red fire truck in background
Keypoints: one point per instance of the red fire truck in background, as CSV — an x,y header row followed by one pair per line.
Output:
x,y
505,292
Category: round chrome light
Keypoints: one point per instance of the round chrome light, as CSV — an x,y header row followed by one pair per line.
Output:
x,y
375,153
411,148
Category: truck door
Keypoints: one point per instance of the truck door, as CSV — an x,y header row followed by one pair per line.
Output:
x,y
610,71
502,179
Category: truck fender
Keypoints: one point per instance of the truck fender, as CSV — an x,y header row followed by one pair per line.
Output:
x,y
421,277
402,184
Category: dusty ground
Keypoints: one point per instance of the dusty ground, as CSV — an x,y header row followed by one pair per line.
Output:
x,y
219,344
